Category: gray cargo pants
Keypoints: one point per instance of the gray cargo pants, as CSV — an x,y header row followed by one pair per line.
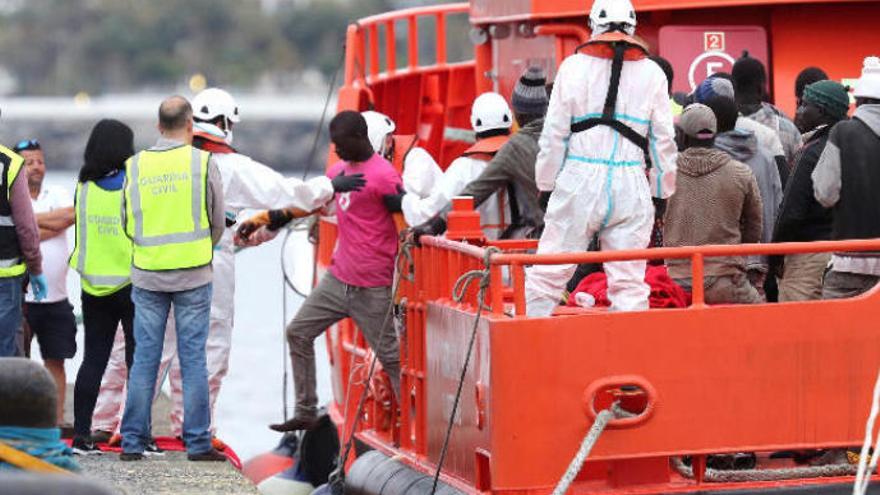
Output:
x,y
331,301
842,285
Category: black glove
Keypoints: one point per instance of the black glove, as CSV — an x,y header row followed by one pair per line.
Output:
x,y
544,199
278,219
347,183
434,226
394,202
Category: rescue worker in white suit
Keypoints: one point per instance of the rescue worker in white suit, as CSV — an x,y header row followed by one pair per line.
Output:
x,y
420,171
609,119
491,119
247,184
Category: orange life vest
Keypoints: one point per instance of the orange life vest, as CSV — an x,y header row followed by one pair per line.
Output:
x,y
211,143
602,46
485,149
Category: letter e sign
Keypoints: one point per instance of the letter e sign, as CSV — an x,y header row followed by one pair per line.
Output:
x,y
713,41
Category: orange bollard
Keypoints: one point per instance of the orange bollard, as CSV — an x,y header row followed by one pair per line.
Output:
x,y
463,222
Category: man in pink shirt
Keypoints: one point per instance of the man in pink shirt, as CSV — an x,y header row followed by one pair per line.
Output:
x,y
358,284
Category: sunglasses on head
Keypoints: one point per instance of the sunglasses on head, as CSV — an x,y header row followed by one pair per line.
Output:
x,y
26,144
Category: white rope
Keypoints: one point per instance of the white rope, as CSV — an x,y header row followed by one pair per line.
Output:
x,y
863,475
602,420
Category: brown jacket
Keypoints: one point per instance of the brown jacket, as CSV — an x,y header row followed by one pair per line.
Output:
x,y
717,201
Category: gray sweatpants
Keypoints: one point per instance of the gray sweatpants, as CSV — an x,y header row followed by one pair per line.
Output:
x,y
331,301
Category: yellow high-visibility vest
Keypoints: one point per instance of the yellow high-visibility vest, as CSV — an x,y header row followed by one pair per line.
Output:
x,y
166,209
11,262
102,254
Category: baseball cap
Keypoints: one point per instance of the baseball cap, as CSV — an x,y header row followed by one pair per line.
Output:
x,y
698,121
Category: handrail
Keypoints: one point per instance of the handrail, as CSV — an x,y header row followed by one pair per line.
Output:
x,y
697,254
707,251
455,246
368,29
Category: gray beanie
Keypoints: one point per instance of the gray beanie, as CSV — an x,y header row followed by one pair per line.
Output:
x,y
530,93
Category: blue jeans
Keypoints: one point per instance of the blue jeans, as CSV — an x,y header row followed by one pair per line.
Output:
x,y
192,309
10,314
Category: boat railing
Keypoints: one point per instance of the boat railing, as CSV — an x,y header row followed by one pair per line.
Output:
x,y
441,262
365,37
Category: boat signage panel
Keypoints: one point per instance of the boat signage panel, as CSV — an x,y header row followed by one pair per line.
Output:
x,y
700,51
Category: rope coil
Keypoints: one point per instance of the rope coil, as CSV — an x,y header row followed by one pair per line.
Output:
x,y
746,475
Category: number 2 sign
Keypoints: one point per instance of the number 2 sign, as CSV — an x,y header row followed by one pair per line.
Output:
x,y
697,52
713,42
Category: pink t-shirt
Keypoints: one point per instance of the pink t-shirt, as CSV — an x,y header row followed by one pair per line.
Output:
x,y
367,239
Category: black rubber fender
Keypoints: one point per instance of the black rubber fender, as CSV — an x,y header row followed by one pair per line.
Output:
x,y
376,474
361,470
375,484
403,481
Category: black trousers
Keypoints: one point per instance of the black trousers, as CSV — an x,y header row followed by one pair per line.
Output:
x,y
101,318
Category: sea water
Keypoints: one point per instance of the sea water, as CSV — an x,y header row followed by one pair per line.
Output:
x,y
252,393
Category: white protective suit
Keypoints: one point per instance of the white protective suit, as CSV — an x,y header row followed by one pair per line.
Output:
x,y
598,177
247,184
420,173
460,173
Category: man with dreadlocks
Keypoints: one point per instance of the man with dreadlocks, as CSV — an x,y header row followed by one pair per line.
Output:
x,y
609,119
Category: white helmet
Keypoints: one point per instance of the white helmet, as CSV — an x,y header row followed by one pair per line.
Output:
x,y
214,102
379,126
606,13
490,112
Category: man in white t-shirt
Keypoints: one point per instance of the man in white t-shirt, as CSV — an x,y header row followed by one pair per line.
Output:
x,y
50,320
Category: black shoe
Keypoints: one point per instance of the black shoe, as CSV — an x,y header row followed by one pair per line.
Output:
x,y
295,424
212,455
101,436
131,456
81,446
153,450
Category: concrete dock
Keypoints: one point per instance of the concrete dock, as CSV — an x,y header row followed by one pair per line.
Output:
x,y
170,474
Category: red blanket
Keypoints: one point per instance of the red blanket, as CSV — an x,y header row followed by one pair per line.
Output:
x,y
665,293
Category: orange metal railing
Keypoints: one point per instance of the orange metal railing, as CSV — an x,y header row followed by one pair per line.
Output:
x,y
440,262
450,260
364,38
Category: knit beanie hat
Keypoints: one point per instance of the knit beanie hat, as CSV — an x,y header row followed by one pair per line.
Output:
x,y
530,93
869,84
712,87
830,96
